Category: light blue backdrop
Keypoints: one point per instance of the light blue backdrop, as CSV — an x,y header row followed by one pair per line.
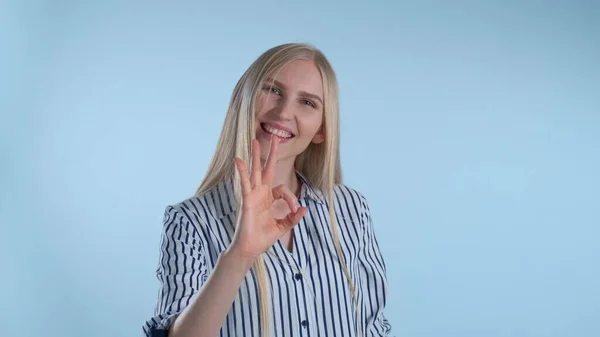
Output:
x,y
473,128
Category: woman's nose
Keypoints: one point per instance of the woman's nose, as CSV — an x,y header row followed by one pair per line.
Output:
x,y
285,110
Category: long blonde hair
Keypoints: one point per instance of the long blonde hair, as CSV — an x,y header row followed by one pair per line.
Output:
x,y
319,163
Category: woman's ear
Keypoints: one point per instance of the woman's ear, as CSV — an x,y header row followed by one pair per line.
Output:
x,y
319,137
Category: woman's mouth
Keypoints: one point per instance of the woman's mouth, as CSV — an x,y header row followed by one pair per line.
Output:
x,y
273,130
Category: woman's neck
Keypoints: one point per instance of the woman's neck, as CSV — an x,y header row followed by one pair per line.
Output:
x,y
285,174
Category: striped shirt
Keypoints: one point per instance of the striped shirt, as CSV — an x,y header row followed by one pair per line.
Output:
x,y
310,295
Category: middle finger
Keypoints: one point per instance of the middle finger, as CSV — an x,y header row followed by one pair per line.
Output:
x,y
269,171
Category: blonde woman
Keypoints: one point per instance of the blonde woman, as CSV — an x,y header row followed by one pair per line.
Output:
x,y
272,243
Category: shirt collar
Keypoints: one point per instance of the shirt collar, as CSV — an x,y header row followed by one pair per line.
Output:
x,y
309,191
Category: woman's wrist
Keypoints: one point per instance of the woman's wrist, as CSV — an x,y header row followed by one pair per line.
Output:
x,y
237,260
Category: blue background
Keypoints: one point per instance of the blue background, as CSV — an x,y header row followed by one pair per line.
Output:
x,y
473,128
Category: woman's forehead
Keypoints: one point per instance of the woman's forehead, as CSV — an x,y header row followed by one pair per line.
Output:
x,y
299,75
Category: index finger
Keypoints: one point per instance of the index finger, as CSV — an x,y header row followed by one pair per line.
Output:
x,y
269,171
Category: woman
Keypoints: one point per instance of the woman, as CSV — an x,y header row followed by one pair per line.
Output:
x,y
282,247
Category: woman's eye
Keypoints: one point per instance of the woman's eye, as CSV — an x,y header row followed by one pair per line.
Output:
x,y
273,90
309,103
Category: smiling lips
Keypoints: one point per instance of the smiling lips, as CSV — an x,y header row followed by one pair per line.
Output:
x,y
278,131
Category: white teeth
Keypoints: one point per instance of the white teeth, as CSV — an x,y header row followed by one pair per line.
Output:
x,y
277,132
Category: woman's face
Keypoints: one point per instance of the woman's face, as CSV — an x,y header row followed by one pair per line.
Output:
x,y
291,107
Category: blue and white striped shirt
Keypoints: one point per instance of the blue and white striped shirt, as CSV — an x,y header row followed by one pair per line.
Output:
x,y
309,292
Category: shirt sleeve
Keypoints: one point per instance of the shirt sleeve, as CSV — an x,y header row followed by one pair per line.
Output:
x,y
374,286
181,270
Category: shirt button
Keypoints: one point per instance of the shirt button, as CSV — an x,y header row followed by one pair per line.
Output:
x,y
298,276
304,323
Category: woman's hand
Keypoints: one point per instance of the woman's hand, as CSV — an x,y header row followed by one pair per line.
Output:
x,y
257,228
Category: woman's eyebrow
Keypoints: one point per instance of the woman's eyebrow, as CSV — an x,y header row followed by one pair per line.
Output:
x,y
304,93
276,82
313,96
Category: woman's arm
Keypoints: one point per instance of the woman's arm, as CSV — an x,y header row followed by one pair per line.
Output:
x,y
191,307
208,308
374,278
192,303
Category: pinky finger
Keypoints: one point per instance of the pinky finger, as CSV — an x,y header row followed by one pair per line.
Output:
x,y
244,179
